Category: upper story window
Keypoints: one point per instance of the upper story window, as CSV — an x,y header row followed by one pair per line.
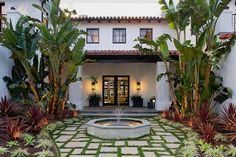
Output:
x,y
93,36
119,35
146,33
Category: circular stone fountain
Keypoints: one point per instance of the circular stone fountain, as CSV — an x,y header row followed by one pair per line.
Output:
x,y
113,128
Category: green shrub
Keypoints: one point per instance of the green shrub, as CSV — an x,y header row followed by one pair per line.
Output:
x,y
44,144
11,144
3,150
231,151
20,153
44,153
215,152
29,139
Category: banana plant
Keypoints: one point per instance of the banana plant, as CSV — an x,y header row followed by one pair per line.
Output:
x,y
204,17
23,42
62,44
160,48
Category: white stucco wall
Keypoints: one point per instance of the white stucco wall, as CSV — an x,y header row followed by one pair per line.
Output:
x,y
145,73
24,7
228,73
225,22
5,69
232,6
132,32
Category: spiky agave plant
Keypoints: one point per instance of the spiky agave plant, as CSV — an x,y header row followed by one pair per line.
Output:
x,y
8,108
35,119
12,128
228,121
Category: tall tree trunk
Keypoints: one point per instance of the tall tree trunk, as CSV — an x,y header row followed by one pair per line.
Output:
x,y
171,88
34,91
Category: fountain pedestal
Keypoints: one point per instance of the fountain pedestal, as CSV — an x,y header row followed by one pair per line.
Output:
x,y
108,128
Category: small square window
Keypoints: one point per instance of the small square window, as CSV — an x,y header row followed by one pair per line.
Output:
x,y
119,35
93,36
146,33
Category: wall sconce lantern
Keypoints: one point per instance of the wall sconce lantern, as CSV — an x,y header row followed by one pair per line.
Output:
x,y
138,86
93,86
13,8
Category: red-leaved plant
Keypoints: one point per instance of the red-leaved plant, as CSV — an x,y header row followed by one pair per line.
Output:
x,y
205,115
8,108
228,121
67,113
208,132
204,122
12,128
166,114
35,119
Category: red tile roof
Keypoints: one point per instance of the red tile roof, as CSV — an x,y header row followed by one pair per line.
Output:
x,y
224,36
89,18
121,52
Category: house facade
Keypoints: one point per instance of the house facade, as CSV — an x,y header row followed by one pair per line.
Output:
x,y
120,70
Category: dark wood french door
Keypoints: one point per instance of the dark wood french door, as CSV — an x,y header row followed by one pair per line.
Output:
x,y
116,90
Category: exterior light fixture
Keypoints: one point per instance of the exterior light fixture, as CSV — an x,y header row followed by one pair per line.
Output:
x,y
93,86
138,86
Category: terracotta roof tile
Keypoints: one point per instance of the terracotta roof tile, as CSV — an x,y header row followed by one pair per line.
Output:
x,y
88,18
227,35
121,52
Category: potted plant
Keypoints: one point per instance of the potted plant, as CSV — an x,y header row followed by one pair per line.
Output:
x,y
137,100
94,99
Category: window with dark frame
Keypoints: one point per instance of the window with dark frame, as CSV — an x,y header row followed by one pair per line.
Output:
x,y
119,35
146,33
92,35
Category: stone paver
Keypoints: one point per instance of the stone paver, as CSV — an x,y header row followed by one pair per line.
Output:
x,y
77,151
63,138
75,144
171,139
93,145
137,143
149,154
129,150
163,141
107,155
119,143
108,149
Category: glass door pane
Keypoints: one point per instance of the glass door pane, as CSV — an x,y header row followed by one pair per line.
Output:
x,y
123,90
109,90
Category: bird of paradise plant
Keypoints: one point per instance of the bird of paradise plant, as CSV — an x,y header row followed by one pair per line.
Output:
x,y
62,44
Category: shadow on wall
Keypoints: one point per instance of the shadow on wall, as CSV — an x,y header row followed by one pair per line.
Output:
x,y
228,73
5,69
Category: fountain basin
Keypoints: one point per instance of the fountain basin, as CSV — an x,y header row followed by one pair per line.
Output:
x,y
108,128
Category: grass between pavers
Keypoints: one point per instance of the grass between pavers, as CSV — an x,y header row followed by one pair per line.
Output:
x,y
174,131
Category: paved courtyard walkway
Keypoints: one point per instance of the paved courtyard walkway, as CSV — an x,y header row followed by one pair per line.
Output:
x,y
163,141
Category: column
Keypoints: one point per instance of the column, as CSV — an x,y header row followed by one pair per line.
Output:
x,y
162,89
76,90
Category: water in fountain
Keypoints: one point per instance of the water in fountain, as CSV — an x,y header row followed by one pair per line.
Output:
x,y
118,113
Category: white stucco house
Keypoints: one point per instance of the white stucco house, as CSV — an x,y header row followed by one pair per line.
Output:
x,y
118,67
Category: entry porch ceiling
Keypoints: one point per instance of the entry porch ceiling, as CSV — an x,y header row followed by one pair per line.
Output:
x,y
124,56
